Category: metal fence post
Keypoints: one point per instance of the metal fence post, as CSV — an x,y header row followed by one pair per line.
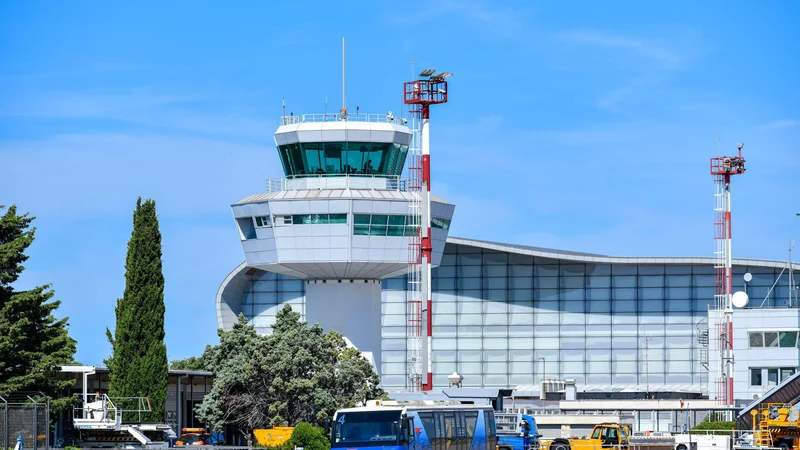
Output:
x,y
5,422
35,424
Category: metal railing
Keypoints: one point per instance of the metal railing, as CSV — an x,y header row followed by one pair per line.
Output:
x,y
336,181
337,117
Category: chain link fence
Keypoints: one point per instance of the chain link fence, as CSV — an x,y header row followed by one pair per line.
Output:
x,y
27,416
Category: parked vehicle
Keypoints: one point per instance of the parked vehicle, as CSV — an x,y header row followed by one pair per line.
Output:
x,y
273,437
196,436
415,426
604,436
516,431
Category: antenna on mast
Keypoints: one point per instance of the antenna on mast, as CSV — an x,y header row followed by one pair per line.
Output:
x,y
344,97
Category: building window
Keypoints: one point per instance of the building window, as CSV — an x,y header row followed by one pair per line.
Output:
x,y
787,372
783,339
756,340
437,222
283,220
319,219
772,376
384,225
755,377
263,221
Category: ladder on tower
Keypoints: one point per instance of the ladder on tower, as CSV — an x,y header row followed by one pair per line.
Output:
x,y
414,330
720,299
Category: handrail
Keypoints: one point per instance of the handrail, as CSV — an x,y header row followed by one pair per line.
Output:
x,y
337,181
337,117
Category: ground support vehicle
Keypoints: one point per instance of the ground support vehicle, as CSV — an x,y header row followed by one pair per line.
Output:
x,y
776,425
415,425
516,431
604,436
197,437
100,424
273,437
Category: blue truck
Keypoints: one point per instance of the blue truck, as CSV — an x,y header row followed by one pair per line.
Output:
x,y
516,431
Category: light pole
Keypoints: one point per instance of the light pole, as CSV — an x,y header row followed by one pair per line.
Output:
x,y
544,377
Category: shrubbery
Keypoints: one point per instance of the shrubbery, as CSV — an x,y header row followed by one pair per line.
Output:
x,y
306,436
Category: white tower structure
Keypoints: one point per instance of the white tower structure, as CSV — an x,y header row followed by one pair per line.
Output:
x,y
339,220
722,168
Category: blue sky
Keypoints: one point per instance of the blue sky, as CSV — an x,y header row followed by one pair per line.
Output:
x,y
582,126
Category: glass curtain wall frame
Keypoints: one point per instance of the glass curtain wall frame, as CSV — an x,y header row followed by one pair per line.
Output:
x,y
495,315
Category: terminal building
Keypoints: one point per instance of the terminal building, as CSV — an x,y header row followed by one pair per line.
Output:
x,y
331,239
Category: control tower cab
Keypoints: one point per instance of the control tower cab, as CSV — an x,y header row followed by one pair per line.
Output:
x,y
341,219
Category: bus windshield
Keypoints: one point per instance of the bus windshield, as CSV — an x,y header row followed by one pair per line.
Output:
x,y
366,429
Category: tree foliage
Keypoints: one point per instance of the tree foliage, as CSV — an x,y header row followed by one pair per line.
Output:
x,y
309,437
33,343
296,374
190,363
138,365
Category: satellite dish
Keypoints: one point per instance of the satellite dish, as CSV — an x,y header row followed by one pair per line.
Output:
x,y
748,277
740,299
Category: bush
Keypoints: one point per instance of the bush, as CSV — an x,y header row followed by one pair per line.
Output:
x,y
309,437
718,427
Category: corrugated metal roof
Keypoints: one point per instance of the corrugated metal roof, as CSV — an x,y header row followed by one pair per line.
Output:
x,y
321,194
603,259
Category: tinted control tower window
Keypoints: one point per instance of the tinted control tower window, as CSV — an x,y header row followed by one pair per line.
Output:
x,y
337,158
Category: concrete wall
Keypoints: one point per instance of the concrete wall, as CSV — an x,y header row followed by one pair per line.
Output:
x,y
350,308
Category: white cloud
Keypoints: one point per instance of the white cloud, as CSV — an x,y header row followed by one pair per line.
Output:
x,y
780,124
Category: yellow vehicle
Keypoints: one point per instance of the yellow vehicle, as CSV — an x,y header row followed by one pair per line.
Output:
x,y
604,436
776,425
273,437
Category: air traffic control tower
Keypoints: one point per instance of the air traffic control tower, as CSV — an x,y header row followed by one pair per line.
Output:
x,y
344,217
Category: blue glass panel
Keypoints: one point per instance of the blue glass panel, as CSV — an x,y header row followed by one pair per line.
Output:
x,y
623,281
469,271
651,281
545,294
469,259
520,283
678,280
670,269
623,293
598,307
598,269
469,283
572,294
520,295
651,270
623,270
494,283
573,270
682,293
546,282
545,270
573,282
651,305
598,282
704,280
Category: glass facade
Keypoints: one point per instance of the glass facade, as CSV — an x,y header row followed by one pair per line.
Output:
x,y
331,158
266,294
496,315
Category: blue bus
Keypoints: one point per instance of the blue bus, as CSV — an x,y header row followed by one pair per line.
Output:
x,y
415,426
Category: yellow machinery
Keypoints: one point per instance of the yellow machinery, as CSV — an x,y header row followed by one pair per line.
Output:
x,y
273,437
604,436
776,425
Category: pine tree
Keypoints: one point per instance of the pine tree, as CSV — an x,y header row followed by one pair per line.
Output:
x,y
33,343
138,365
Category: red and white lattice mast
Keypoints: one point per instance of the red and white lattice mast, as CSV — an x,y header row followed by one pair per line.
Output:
x,y
722,168
429,89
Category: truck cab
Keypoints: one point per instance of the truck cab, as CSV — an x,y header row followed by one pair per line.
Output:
x,y
517,431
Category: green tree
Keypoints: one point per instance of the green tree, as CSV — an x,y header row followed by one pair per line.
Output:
x,y
33,343
309,437
296,374
190,363
138,365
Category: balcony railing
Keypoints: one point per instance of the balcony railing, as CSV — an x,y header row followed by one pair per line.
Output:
x,y
337,117
336,181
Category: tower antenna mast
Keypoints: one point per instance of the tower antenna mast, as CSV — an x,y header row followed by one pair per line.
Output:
x,y
722,168
428,89
344,97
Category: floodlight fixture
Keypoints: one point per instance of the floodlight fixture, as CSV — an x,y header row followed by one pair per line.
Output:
x,y
739,146
442,75
427,72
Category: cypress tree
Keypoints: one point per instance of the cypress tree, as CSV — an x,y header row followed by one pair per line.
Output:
x,y
33,343
138,365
